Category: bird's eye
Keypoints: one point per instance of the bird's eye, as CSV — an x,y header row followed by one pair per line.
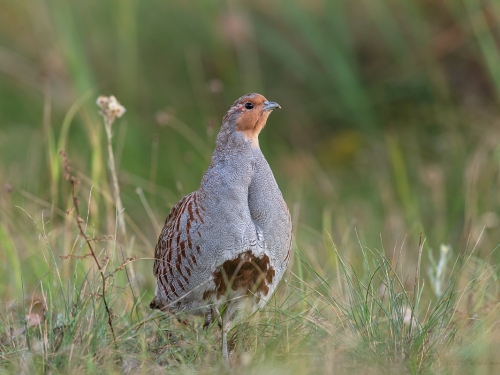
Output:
x,y
248,105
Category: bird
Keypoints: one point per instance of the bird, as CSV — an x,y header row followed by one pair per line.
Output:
x,y
225,247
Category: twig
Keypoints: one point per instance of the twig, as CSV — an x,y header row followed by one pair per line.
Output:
x,y
74,181
88,240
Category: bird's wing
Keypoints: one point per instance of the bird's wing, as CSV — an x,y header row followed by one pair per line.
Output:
x,y
163,247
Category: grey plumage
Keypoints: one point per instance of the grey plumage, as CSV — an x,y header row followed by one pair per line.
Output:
x,y
231,238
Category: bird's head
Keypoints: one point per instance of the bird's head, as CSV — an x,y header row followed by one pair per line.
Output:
x,y
248,116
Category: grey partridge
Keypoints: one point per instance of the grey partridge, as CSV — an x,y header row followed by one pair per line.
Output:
x,y
225,247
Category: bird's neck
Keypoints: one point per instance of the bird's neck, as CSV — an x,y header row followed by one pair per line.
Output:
x,y
234,142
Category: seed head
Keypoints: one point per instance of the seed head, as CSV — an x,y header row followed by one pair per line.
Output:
x,y
110,108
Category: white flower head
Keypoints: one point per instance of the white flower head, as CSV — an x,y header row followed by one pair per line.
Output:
x,y
110,108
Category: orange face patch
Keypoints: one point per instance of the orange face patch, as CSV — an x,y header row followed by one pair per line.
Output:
x,y
251,121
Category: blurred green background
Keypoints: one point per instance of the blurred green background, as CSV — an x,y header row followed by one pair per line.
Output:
x,y
389,127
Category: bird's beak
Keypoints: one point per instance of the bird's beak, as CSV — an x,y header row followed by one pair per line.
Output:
x,y
269,106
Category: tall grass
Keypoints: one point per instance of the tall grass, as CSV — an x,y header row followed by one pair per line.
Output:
x,y
375,318
389,130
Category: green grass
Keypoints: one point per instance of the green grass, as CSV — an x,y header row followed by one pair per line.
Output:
x,y
386,150
355,319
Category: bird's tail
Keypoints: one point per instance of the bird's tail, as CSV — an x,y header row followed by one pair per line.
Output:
x,y
155,304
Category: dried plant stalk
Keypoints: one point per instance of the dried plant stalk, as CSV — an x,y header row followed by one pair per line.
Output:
x,y
74,181
111,109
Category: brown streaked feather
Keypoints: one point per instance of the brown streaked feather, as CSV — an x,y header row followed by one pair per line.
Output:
x,y
163,248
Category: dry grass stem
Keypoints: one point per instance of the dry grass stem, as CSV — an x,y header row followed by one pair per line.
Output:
x,y
88,240
111,109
